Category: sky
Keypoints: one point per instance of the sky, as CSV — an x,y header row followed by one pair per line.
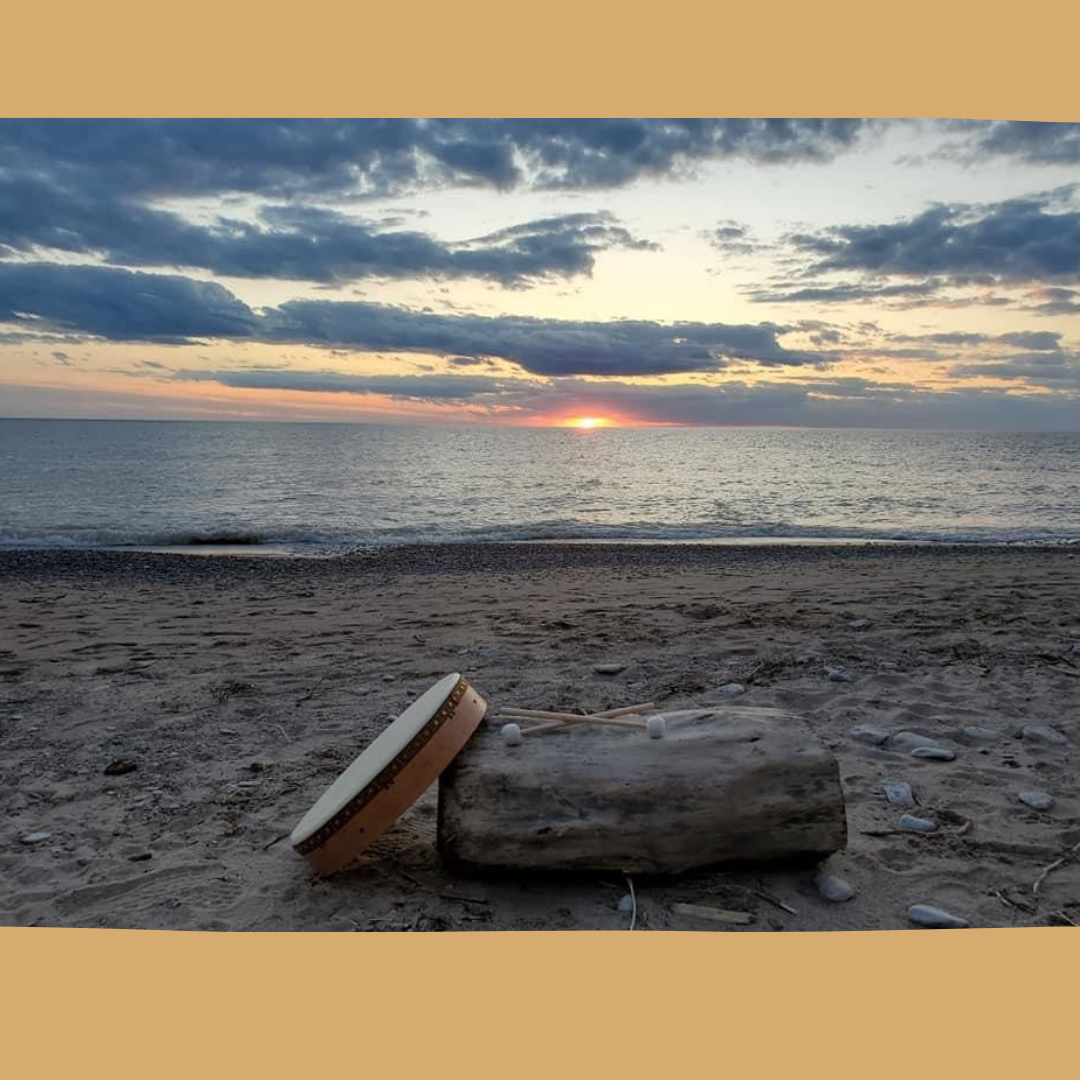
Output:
x,y
910,273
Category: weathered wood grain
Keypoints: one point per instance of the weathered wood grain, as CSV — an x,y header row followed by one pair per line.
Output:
x,y
723,786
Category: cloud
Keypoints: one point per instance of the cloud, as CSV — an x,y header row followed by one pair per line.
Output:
x,y
548,347
97,188
386,156
291,241
732,238
846,293
1018,240
826,403
1036,340
1054,300
119,304
1035,141
1051,370
125,305
403,387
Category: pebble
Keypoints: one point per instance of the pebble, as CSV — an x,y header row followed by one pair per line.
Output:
x,y
120,767
608,669
835,890
899,793
1043,733
980,734
34,837
870,735
626,903
933,753
837,674
917,824
733,689
934,918
228,731
908,740
388,678
1037,800
858,624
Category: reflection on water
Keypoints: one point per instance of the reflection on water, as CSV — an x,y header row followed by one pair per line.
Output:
x,y
305,487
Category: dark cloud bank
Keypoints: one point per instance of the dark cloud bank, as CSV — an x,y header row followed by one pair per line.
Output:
x,y
123,305
921,260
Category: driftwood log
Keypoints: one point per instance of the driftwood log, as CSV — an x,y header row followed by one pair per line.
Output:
x,y
725,785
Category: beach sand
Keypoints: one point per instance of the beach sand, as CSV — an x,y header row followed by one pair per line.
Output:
x,y
240,687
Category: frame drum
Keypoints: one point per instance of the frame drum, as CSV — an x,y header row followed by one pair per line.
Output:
x,y
389,776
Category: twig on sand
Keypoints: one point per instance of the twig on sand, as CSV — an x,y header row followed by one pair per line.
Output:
x,y
633,902
1054,866
770,899
720,915
1012,903
749,678
314,690
277,839
935,835
461,898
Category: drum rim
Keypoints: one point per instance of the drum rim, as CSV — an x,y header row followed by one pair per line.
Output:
x,y
383,779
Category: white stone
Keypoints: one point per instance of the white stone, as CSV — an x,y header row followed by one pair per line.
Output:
x,y
899,793
1044,733
1037,800
980,734
934,918
933,753
835,890
917,824
908,740
870,735
34,837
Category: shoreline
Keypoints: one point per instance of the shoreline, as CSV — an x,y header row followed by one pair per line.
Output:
x,y
489,557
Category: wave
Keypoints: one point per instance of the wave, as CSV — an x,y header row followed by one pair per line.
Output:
x,y
97,539
309,540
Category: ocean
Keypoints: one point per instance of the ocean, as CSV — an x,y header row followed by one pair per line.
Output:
x,y
329,488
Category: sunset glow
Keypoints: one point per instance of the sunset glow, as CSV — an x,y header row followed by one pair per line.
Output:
x,y
347,270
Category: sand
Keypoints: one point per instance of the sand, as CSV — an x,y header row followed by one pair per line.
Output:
x,y
239,688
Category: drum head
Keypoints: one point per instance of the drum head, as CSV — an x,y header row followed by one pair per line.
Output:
x,y
394,770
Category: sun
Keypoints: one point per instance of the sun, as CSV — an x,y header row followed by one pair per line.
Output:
x,y
588,422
